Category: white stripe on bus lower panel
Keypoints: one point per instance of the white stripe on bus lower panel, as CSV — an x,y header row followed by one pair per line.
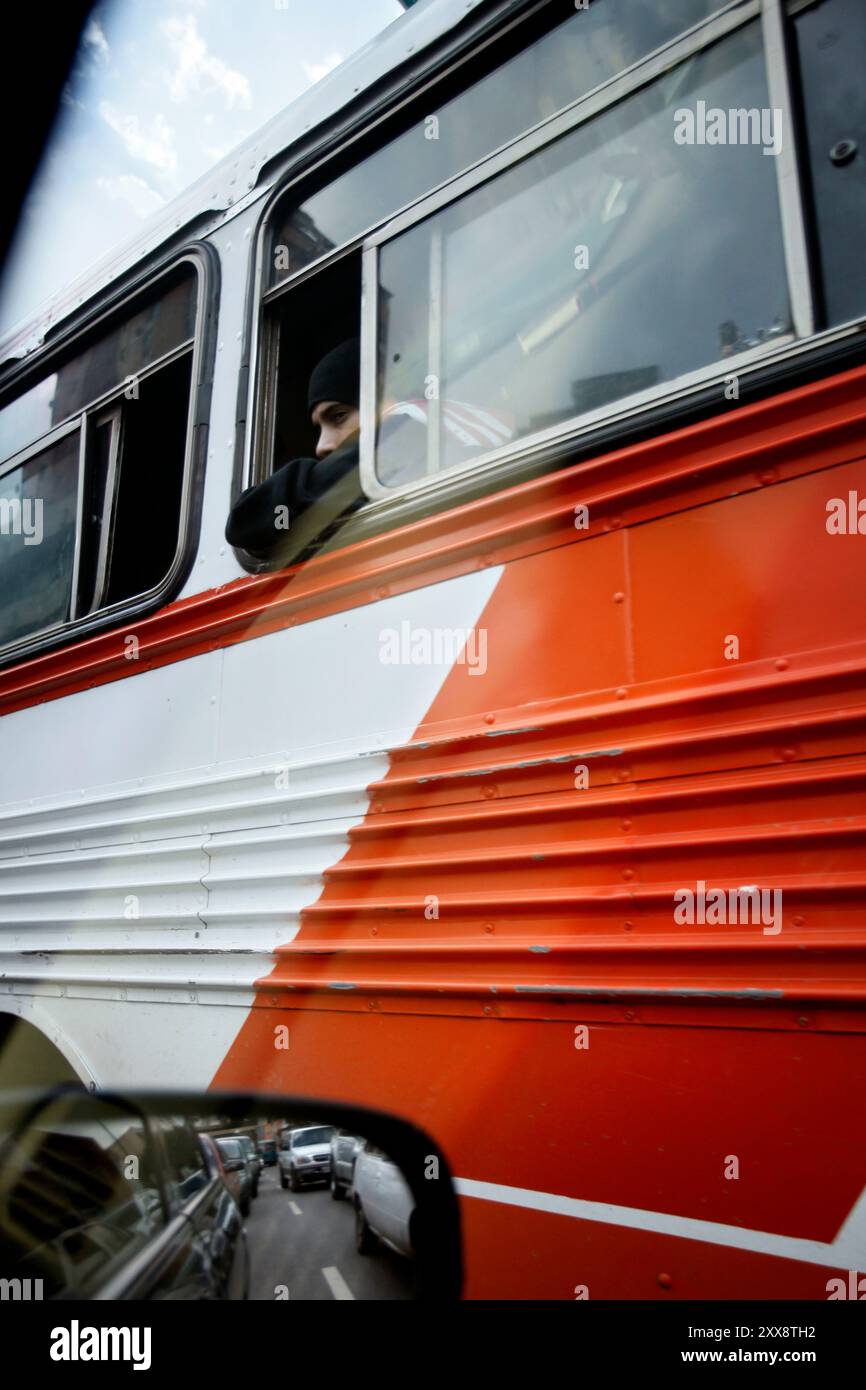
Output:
x,y
846,1251
161,835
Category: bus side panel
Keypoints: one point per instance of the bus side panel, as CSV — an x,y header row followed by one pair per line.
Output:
x,y
458,884
180,818
637,1102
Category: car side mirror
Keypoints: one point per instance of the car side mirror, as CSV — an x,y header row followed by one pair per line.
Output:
x,y
91,1184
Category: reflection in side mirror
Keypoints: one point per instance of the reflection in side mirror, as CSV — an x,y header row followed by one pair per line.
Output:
x,y
285,1200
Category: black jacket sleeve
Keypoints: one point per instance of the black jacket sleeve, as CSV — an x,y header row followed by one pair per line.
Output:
x,y
257,521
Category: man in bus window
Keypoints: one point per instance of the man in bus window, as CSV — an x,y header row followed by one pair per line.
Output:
x,y
257,520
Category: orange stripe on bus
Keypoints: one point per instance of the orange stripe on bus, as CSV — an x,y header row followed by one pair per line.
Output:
x,y
814,427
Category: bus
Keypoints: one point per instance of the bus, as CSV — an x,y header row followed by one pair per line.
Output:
x,y
522,794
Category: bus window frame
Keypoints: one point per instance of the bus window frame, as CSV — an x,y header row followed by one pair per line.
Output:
x,y
797,261
544,450
111,415
201,348
256,393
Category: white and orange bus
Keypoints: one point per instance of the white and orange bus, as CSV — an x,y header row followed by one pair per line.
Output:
x,y
528,794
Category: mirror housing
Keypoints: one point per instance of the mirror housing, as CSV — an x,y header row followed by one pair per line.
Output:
x,y
98,1139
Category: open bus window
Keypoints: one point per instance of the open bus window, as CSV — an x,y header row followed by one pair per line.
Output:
x,y
605,263
148,488
313,346
91,489
314,318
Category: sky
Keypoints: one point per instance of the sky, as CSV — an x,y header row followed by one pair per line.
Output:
x,y
160,92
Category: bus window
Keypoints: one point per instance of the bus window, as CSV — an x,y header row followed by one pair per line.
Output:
x,y
569,53
584,48
600,265
38,506
830,42
148,495
95,460
315,317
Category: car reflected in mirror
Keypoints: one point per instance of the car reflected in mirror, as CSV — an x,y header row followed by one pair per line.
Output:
x,y
106,1196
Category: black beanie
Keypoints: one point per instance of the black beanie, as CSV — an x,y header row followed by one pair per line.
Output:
x,y
338,376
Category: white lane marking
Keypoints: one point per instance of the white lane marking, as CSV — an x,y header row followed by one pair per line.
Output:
x,y
293,1206
846,1251
337,1284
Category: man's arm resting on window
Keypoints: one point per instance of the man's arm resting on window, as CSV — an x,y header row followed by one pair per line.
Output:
x,y
260,517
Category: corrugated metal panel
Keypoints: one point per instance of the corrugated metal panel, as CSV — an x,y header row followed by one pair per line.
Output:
x,y
283,792
220,864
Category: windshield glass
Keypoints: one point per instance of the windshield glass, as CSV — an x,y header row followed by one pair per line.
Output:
x,y
312,1136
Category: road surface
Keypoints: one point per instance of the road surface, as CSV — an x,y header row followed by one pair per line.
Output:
x,y
304,1242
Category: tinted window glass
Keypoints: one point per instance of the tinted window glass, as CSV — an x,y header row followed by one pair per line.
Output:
x,y
587,48
143,336
38,509
603,264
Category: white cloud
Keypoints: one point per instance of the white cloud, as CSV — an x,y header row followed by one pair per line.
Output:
x,y
154,146
316,71
197,70
94,39
130,189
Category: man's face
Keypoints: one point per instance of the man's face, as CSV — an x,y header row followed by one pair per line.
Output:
x,y
337,423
